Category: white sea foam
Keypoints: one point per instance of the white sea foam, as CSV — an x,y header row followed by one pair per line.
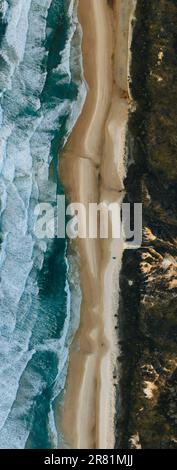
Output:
x,y
28,124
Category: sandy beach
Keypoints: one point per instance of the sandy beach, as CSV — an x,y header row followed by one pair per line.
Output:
x,y
92,169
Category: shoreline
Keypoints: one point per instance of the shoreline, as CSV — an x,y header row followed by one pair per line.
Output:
x,y
92,169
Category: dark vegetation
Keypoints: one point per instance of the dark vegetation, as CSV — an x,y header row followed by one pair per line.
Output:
x,y
148,307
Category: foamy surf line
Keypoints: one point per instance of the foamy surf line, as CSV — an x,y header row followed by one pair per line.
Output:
x,y
40,62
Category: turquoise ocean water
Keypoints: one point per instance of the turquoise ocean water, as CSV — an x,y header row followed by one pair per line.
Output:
x,y
41,96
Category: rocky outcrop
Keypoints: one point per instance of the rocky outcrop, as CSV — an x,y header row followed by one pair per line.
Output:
x,y
148,317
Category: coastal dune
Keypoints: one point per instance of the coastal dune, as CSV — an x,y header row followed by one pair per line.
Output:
x,y
92,169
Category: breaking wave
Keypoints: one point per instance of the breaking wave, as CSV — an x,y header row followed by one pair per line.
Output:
x,y
41,96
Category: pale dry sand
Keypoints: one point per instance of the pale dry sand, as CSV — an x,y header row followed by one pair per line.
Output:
x,y
92,169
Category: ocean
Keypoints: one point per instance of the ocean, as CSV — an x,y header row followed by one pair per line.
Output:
x,y
42,92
